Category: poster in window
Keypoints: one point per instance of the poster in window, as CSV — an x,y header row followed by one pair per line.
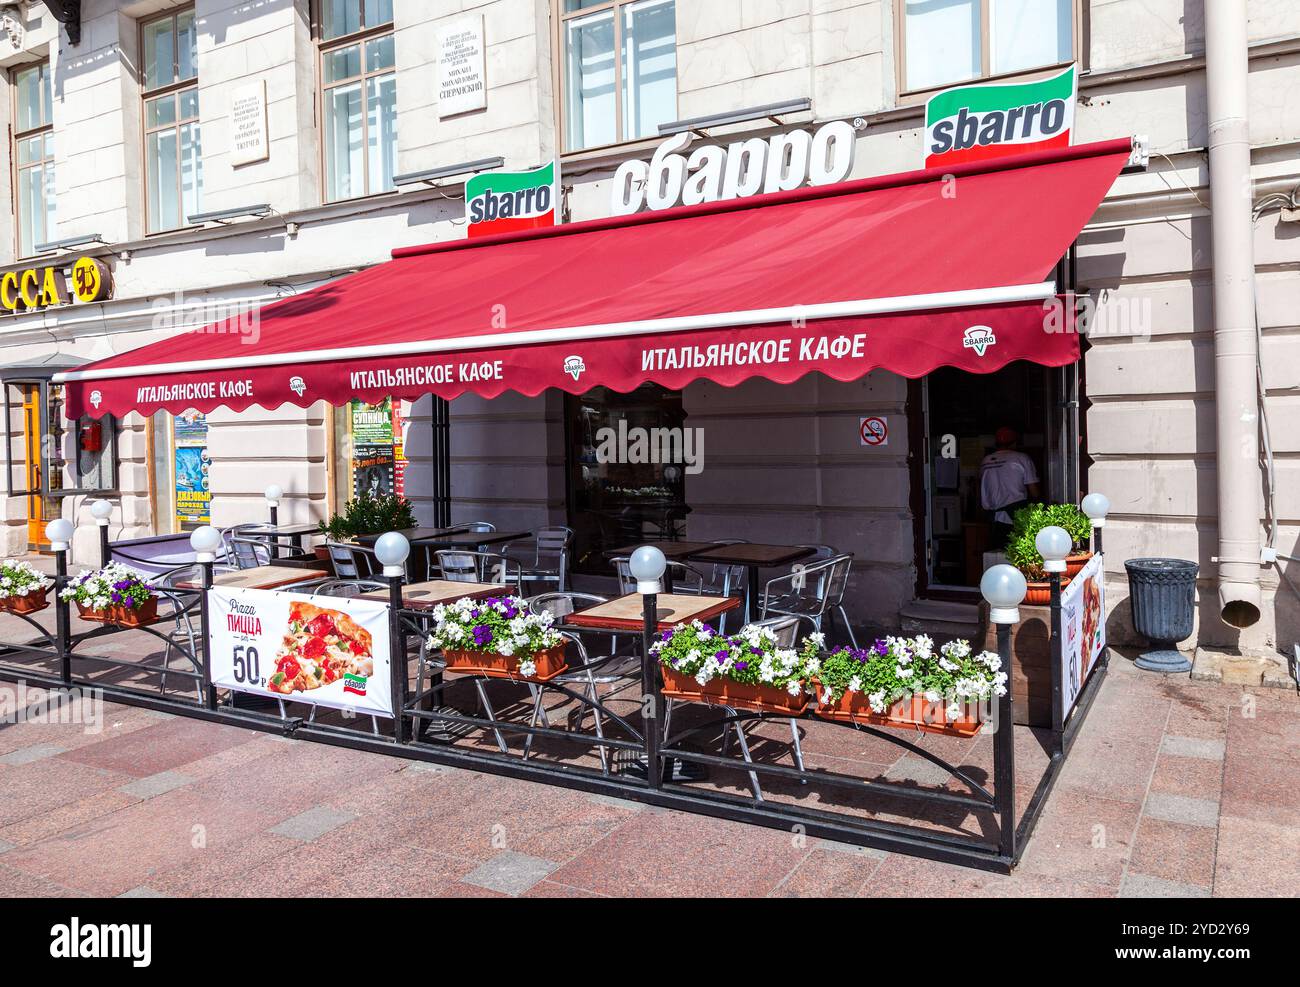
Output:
x,y
372,424
399,450
373,471
193,493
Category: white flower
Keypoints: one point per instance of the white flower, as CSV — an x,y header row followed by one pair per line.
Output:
x,y
818,638
953,711
855,684
902,673
877,701
794,688
528,668
924,646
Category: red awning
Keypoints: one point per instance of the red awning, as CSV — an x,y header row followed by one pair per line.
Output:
x,y
906,272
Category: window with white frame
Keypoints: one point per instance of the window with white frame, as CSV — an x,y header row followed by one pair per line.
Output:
x,y
618,70
944,42
173,153
32,153
358,96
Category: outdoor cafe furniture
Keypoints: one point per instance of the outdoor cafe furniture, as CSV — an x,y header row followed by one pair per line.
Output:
x,y
262,577
624,613
812,592
477,567
545,559
274,533
677,576
753,556
351,561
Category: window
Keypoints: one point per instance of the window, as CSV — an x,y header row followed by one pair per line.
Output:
x,y
609,99
951,41
173,156
358,96
33,157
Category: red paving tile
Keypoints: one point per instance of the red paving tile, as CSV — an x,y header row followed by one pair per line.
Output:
x,y
161,747
420,830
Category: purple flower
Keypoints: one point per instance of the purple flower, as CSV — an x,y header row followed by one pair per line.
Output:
x,y
482,636
666,636
741,664
722,656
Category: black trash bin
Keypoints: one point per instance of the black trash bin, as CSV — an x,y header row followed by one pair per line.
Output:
x,y
1162,594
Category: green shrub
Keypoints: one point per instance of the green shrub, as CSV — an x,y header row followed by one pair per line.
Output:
x,y
366,515
1027,522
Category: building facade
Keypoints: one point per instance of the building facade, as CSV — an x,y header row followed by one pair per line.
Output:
x,y
214,156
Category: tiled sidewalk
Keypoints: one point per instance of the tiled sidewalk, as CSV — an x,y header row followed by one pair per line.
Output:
x,y
1174,788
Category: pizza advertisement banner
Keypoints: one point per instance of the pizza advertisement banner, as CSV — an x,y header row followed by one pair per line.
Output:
x,y
1083,629
324,650
993,120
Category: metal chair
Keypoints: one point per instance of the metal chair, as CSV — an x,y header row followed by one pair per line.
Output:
x,y
351,561
478,567
811,591
168,585
720,579
347,587
480,527
821,553
248,553
686,579
547,561
786,631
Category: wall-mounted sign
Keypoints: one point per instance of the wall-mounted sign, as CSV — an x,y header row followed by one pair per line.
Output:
x,y
46,287
993,120
506,201
462,85
782,162
874,430
248,136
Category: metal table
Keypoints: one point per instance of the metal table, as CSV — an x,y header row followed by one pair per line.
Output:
x,y
752,556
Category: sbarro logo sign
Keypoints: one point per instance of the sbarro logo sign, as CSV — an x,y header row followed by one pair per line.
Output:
x,y
711,173
506,201
976,123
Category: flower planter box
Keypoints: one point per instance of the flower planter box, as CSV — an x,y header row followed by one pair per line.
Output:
x,y
32,602
1074,564
1039,594
147,613
550,663
916,713
738,695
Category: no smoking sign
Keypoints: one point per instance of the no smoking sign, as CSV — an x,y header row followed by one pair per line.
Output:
x,y
874,431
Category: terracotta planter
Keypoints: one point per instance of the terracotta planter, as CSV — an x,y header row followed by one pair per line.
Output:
x,y
1074,563
123,616
550,663
1039,594
915,713
739,695
30,603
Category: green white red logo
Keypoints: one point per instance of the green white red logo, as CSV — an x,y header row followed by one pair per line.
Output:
x,y
509,201
976,123
355,684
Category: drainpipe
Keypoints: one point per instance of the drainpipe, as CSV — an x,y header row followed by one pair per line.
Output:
x,y
1235,345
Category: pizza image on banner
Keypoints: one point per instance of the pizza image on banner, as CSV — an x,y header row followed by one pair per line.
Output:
x,y
508,201
992,120
322,646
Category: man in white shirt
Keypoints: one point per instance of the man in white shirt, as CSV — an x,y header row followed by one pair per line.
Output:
x,y
1008,481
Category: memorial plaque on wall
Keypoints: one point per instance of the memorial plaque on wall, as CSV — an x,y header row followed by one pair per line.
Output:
x,y
462,84
248,138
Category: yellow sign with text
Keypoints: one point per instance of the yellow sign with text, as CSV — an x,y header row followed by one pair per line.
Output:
x,y
46,287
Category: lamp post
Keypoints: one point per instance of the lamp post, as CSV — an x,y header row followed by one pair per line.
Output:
x,y
1096,506
205,541
59,532
102,510
647,567
1054,545
392,550
1004,587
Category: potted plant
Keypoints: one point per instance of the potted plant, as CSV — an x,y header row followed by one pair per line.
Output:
x,y
367,515
1022,552
22,587
115,594
745,670
497,637
907,682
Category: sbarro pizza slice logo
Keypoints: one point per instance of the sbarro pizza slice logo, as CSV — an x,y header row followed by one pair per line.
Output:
x,y
574,367
297,385
979,339
96,399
